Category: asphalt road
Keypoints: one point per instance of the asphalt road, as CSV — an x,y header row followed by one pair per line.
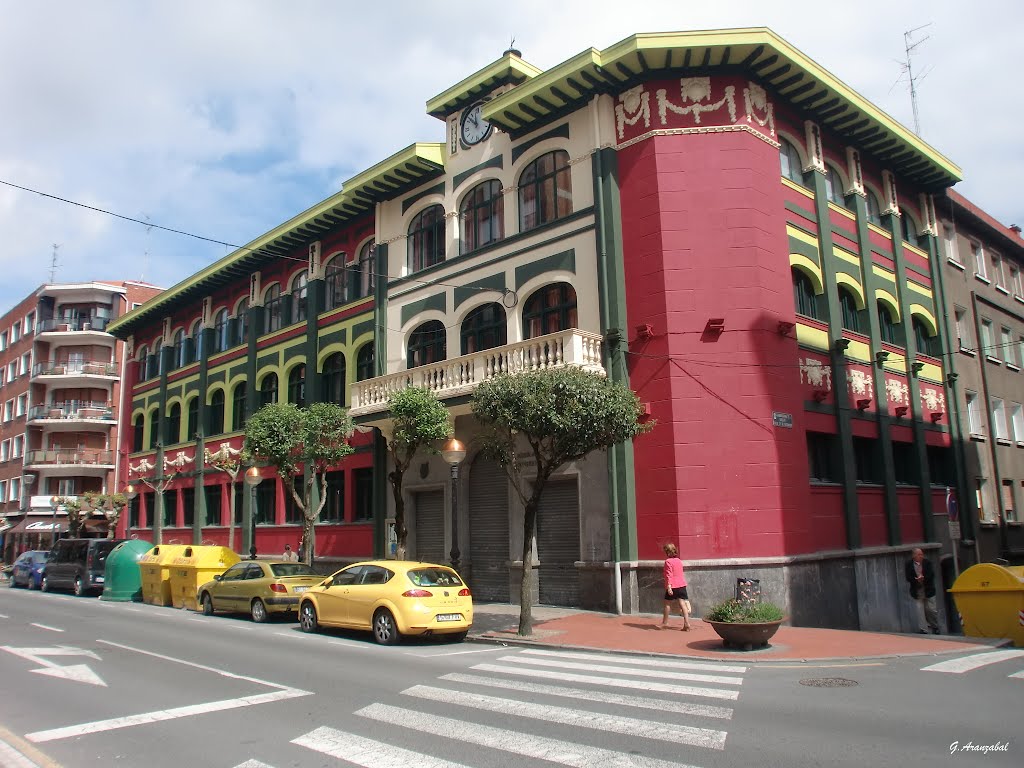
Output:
x,y
89,683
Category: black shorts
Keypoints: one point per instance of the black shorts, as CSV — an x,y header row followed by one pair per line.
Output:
x,y
679,593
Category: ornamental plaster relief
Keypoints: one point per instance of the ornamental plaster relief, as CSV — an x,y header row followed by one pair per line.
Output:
x,y
898,391
933,398
814,373
860,383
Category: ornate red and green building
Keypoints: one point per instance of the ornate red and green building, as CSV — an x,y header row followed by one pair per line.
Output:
x,y
710,217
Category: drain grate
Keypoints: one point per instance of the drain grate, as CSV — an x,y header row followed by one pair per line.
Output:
x,y
828,682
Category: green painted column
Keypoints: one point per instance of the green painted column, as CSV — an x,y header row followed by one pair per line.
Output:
x,y
166,355
315,305
199,514
380,494
871,285
255,328
380,309
840,391
380,445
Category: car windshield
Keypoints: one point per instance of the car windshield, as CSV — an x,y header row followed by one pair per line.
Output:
x,y
40,557
292,569
434,577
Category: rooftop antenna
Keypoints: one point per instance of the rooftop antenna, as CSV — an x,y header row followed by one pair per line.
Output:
x,y
907,67
54,264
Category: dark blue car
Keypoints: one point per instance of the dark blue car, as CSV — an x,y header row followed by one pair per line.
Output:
x,y
28,569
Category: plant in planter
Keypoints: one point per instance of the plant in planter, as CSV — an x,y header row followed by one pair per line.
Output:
x,y
743,624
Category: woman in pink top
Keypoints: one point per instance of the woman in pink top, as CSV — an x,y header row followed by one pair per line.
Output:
x,y
675,587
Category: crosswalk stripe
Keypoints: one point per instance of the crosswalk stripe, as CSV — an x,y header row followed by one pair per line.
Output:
x,y
659,663
253,764
660,705
516,742
1017,674
612,682
974,661
720,679
367,752
678,734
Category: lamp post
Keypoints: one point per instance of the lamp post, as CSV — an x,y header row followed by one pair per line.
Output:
x,y
454,452
54,503
130,492
252,479
27,481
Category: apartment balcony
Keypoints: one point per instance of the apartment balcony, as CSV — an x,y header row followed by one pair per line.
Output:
x,y
64,462
78,329
73,372
459,376
72,415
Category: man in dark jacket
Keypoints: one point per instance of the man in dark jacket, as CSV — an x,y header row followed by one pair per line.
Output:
x,y
921,577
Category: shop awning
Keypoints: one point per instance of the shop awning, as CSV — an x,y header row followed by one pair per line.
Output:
x,y
41,524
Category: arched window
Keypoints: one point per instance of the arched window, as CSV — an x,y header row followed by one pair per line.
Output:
x,y
180,349
138,432
362,278
238,406
242,322
154,428
792,165
272,307
910,231
874,209
848,304
427,344
803,295
300,290
481,217
484,328
297,386
335,282
157,365
215,414
888,329
426,239
834,185
365,365
143,359
193,419
334,379
221,329
545,190
926,342
196,342
173,425
268,389
549,309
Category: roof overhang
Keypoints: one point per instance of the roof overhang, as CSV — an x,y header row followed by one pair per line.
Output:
x,y
508,69
757,52
402,171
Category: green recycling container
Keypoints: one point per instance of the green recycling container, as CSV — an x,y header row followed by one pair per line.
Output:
x,y
122,579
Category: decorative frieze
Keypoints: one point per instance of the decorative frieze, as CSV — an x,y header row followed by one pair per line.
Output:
x,y
815,151
855,172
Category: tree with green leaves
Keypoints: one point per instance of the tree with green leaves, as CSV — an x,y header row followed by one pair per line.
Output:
x,y
110,504
293,440
558,415
420,420
73,509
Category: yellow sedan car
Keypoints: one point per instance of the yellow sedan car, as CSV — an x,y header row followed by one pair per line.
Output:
x,y
258,588
391,598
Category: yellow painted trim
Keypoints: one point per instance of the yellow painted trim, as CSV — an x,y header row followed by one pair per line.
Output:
x,y
896,363
931,372
192,378
916,310
329,350
915,249
884,273
890,301
841,211
799,234
858,350
879,231
844,255
920,289
808,267
797,187
842,278
814,338
507,64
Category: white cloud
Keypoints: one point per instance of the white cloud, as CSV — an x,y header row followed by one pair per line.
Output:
x,y
226,118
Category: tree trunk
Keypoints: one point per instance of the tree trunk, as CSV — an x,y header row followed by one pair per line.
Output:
x,y
400,532
526,585
231,512
307,539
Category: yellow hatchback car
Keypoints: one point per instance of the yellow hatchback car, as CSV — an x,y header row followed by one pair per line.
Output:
x,y
258,588
391,598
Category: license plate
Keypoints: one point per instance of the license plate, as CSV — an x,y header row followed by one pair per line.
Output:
x,y
449,617
299,589
97,579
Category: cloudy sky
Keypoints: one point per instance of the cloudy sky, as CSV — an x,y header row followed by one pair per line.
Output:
x,y
227,117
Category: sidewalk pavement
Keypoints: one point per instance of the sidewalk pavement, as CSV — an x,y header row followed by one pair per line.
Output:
x,y
641,634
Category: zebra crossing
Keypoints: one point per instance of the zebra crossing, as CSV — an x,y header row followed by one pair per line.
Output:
x,y
964,664
655,701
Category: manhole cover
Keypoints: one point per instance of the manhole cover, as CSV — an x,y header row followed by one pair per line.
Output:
x,y
828,682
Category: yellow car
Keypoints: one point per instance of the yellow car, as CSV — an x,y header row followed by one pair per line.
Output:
x,y
391,598
258,588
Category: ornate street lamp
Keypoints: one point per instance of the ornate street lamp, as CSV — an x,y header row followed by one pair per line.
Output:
x,y
454,452
54,503
252,479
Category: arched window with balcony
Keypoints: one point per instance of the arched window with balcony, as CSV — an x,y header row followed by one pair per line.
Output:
x,y
300,293
273,306
804,298
297,386
792,165
426,240
549,309
334,379
242,322
138,432
888,328
850,313
172,425
485,327
215,414
366,367
481,216
268,389
427,344
221,329
545,190
238,406
192,427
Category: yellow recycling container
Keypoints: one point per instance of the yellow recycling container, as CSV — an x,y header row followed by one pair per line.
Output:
x,y
193,567
990,599
156,578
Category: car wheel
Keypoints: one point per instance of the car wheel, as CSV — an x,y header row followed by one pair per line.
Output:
x,y
207,604
258,611
307,618
79,587
12,584
44,584
385,631
456,637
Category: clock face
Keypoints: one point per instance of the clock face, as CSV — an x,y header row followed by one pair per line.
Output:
x,y
474,128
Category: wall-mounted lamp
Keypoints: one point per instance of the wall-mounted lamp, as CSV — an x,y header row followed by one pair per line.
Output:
x,y
820,395
901,411
881,357
951,378
715,325
785,327
916,367
645,412
842,344
644,331
936,417
862,405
